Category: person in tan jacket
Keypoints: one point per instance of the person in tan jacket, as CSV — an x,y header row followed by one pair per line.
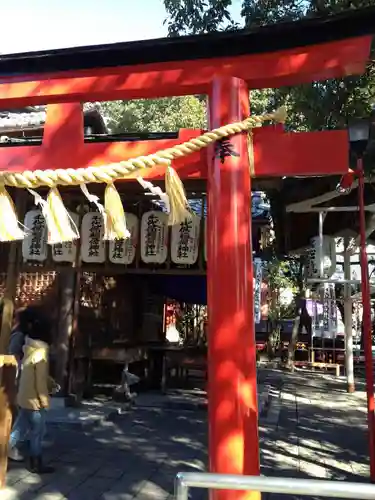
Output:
x,y
35,386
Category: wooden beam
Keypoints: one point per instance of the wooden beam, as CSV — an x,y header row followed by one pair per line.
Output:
x,y
116,270
278,153
71,385
305,153
269,70
305,205
63,127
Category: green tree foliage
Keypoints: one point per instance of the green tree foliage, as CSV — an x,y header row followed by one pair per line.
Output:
x,y
197,16
281,279
281,275
313,106
155,115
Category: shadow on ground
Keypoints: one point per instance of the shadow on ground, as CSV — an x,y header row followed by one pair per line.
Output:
x,y
136,456
320,433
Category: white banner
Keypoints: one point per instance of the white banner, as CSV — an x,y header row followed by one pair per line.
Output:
x,y
257,289
123,251
92,233
333,320
325,322
34,245
154,237
185,241
66,252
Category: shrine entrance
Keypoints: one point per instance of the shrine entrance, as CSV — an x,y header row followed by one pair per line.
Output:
x,y
245,152
107,299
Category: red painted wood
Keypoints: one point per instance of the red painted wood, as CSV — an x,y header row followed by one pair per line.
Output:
x,y
279,153
270,70
64,121
59,153
276,153
232,386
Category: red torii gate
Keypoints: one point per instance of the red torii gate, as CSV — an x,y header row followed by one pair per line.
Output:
x,y
232,392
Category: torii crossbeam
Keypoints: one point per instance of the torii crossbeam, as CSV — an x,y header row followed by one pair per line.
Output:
x,y
223,66
64,125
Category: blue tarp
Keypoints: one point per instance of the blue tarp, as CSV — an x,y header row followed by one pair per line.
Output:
x,y
189,289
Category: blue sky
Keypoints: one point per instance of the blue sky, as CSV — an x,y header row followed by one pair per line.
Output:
x,y
28,25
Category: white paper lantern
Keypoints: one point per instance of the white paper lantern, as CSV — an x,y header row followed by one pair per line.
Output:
x,y
123,251
154,237
328,256
34,245
92,233
185,241
66,252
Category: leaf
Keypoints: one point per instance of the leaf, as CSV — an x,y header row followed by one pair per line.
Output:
x,y
155,115
313,106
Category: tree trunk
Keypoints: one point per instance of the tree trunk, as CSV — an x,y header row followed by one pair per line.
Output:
x,y
294,336
301,320
273,327
301,315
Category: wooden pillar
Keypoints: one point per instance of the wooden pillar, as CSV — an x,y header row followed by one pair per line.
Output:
x,y
67,279
348,320
67,119
14,259
72,368
70,292
232,384
8,370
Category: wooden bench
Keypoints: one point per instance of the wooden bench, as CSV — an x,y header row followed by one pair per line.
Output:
x,y
318,364
182,364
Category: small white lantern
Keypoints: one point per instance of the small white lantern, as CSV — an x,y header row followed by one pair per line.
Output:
x,y
185,241
34,245
92,233
154,237
123,251
67,251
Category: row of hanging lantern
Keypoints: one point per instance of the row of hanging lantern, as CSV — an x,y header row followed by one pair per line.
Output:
x,y
151,232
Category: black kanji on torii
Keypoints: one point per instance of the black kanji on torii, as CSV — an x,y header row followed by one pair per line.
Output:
x,y
223,149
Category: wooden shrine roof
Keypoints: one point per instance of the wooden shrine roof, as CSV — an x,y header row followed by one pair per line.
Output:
x,y
33,118
295,226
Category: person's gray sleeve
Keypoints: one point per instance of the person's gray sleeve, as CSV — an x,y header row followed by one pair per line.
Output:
x,y
16,344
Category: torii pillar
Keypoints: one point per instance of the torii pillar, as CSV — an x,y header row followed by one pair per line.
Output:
x,y
232,388
232,381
